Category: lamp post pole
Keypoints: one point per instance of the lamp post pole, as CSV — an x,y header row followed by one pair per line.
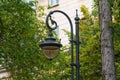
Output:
x,y
50,43
77,46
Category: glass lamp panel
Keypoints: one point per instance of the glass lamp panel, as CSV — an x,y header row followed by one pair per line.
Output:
x,y
51,51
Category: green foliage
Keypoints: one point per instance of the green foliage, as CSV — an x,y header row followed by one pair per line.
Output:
x,y
19,50
90,55
90,46
116,26
95,8
20,33
85,11
58,68
116,10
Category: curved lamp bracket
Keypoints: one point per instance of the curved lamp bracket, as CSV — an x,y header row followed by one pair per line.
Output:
x,y
53,22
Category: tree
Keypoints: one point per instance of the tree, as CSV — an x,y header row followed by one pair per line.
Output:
x,y
90,58
107,46
116,26
20,54
20,33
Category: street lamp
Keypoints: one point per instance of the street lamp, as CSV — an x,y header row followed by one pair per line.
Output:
x,y
51,47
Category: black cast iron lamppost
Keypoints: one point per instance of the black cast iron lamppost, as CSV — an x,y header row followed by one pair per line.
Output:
x,y
51,47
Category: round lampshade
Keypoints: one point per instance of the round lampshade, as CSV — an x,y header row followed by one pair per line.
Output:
x,y
50,51
50,47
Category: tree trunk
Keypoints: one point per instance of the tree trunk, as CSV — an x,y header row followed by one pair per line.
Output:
x,y
107,46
